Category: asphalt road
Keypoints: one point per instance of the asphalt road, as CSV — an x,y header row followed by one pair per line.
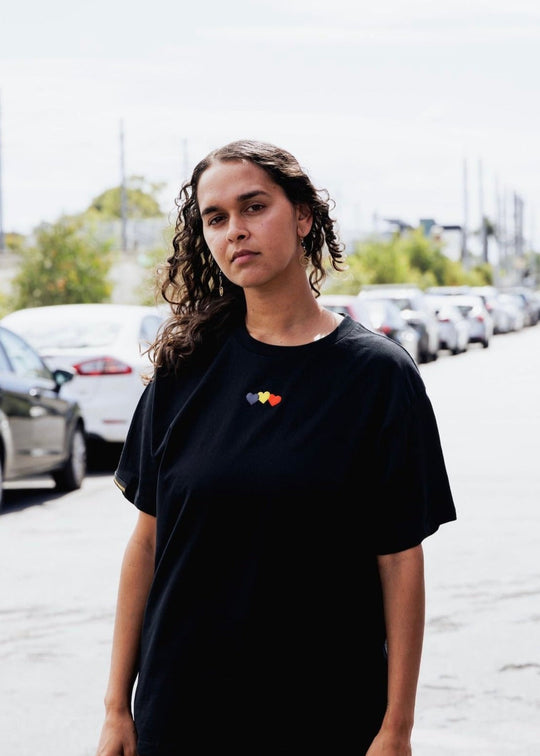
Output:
x,y
479,688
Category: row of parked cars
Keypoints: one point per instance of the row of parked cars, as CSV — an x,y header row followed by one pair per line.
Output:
x,y
70,378
70,375
441,318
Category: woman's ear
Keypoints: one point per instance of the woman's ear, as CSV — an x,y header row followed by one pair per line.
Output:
x,y
304,220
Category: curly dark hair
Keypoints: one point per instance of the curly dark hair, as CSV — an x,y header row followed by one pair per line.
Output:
x,y
204,304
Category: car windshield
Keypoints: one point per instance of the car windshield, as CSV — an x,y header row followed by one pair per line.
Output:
x,y
70,335
403,303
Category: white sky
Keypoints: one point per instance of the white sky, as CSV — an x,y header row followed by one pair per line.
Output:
x,y
382,102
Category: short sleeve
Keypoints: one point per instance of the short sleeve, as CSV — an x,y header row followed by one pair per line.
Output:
x,y
136,474
414,496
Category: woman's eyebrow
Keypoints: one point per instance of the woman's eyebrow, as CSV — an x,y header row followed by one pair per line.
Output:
x,y
240,198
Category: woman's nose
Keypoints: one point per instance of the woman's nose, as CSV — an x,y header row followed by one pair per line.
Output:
x,y
236,229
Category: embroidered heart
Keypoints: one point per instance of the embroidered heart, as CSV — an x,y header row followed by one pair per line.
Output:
x,y
252,398
273,399
264,396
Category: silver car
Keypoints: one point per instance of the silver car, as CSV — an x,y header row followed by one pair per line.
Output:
x,y
472,306
411,301
380,316
41,430
454,327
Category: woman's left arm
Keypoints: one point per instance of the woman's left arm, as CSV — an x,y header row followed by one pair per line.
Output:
x,y
402,580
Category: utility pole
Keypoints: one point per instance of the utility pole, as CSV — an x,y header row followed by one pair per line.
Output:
x,y
518,233
123,191
504,231
2,235
499,228
464,229
483,225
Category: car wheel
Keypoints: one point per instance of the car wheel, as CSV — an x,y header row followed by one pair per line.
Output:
x,y
71,475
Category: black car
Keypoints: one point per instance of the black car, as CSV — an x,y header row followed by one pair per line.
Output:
x,y
41,431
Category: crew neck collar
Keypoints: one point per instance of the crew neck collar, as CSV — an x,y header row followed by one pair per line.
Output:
x,y
249,342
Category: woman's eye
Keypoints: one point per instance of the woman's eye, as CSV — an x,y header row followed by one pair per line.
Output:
x,y
256,206
215,220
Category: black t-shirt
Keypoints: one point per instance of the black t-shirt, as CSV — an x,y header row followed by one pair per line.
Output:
x,y
277,474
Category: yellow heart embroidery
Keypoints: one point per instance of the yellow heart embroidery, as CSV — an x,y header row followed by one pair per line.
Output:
x,y
264,396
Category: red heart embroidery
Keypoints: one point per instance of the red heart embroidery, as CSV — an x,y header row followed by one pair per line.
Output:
x,y
273,399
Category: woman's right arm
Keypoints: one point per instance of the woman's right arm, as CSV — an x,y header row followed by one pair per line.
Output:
x,y
118,736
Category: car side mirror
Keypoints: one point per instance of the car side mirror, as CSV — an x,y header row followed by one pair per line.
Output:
x,y
62,376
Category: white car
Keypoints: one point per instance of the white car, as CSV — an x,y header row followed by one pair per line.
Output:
x,y
454,328
104,344
472,306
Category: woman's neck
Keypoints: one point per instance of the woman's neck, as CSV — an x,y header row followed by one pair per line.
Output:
x,y
291,324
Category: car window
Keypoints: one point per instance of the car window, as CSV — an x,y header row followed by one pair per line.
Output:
x,y
5,367
24,361
69,335
403,303
149,327
394,317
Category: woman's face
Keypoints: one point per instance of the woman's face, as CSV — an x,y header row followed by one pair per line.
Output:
x,y
251,228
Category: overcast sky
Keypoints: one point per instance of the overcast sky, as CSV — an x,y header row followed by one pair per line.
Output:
x,y
384,103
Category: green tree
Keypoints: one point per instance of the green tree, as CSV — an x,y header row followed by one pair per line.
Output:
x,y
411,257
65,265
149,293
5,307
141,200
14,241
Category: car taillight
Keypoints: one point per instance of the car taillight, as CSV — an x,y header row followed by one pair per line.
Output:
x,y
102,366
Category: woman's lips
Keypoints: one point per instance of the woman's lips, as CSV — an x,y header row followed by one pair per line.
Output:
x,y
243,255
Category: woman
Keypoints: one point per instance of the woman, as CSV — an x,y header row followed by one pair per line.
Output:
x,y
287,466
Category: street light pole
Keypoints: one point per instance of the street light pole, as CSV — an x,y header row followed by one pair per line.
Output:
x,y
483,225
464,233
123,192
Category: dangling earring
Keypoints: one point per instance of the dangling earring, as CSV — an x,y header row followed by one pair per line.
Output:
x,y
220,287
304,260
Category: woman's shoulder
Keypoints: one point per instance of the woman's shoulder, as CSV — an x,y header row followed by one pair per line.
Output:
x,y
361,341
378,363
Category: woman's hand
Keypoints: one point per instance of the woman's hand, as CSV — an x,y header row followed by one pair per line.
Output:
x,y
118,735
386,744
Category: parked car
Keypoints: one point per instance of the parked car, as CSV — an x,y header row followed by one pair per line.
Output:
x,y
515,310
104,345
452,289
41,431
454,327
530,303
347,304
500,314
379,316
411,301
480,321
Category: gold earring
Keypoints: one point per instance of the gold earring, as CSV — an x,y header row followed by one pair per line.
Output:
x,y
304,259
220,288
